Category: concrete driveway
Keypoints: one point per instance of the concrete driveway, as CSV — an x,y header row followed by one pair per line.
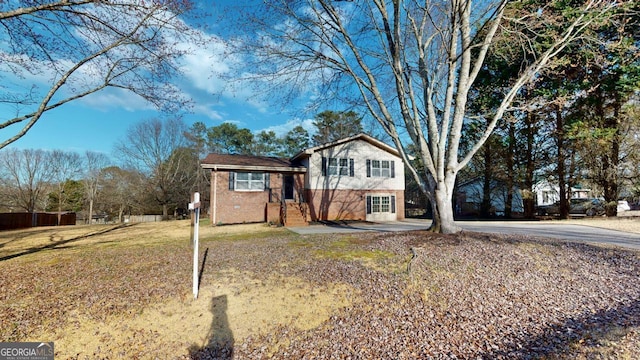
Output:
x,y
568,232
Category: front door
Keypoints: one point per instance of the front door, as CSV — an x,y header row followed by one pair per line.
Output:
x,y
288,187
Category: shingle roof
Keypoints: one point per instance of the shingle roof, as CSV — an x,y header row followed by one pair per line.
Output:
x,y
249,162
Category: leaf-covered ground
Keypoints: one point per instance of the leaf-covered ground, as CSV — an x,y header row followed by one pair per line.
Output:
x,y
125,292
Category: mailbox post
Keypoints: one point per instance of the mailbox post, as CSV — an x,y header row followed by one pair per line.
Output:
x,y
195,208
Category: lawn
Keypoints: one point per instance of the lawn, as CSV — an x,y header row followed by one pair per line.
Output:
x,y
125,292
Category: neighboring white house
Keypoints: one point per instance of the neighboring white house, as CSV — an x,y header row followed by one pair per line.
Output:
x,y
548,194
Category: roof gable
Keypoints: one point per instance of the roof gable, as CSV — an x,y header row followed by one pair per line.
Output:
x,y
364,137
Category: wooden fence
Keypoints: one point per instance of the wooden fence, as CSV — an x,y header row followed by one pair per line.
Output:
x,y
10,221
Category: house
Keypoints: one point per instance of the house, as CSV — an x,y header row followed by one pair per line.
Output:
x,y
355,178
548,193
469,197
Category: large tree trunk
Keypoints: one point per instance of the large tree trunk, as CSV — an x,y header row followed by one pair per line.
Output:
x,y
446,225
165,212
443,220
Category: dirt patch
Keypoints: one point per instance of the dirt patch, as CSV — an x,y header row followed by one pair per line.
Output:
x,y
224,314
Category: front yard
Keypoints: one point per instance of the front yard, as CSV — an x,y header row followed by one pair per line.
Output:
x,y
125,292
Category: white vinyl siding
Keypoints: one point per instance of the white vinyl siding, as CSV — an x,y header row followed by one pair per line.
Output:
x,y
359,155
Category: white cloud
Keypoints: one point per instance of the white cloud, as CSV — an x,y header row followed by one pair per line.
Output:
x,y
206,110
116,98
282,129
205,66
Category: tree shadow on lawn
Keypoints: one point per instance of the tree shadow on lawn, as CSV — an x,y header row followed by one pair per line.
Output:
x,y
584,334
220,340
57,244
9,236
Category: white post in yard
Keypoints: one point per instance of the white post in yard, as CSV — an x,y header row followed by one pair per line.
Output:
x,y
195,207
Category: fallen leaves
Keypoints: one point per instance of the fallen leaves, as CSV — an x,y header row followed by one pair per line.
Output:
x,y
466,296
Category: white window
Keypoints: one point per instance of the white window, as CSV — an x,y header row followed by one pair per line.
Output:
x,y
384,204
380,168
381,204
337,166
249,181
375,204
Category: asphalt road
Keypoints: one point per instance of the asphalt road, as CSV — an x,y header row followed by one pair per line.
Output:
x,y
575,233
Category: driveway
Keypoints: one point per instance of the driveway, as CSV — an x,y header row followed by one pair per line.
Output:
x,y
568,232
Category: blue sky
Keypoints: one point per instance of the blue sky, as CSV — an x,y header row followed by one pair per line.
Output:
x,y
97,121
88,125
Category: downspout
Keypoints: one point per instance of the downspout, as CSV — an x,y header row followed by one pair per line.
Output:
x,y
215,196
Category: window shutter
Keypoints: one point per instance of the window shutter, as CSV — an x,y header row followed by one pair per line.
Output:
x,y
393,169
324,166
393,204
351,170
232,180
368,204
267,181
368,168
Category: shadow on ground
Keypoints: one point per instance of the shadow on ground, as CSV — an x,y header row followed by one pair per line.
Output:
x,y
55,244
219,343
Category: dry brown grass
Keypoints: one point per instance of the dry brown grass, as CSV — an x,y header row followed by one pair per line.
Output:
x,y
122,291
125,292
626,224
33,240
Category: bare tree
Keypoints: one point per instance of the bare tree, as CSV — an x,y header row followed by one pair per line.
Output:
x,y
26,176
121,190
68,49
64,166
154,148
411,63
94,163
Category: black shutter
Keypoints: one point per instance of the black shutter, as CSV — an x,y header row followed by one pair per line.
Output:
x,y
368,204
393,169
324,166
267,181
232,180
368,168
393,204
351,170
